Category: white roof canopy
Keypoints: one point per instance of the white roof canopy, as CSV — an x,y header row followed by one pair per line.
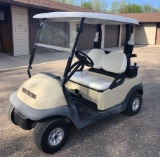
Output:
x,y
91,18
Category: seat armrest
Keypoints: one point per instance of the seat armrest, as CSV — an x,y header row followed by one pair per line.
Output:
x,y
117,81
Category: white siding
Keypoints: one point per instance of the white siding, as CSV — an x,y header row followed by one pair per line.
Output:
x,y
73,33
20,31
120,36
103,36
145,34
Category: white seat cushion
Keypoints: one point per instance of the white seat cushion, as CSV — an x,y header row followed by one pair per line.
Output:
x,y
115,62
96,55
91,80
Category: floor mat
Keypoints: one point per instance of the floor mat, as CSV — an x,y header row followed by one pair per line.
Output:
x,y
84,111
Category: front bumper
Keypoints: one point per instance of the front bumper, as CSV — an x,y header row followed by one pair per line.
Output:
x,y
26,112
21,120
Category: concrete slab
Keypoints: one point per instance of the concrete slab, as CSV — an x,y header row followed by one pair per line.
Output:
x,y
9,62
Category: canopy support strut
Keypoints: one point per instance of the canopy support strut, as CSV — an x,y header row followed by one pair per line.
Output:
x,y
69,62
127,48
34,49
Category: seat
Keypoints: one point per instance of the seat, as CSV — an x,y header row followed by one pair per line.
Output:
x,y
91,80
114,62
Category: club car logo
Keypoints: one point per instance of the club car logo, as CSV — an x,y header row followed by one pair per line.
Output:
x,y
29,93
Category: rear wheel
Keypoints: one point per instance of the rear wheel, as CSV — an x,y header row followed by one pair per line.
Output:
x,y
134,104
50,135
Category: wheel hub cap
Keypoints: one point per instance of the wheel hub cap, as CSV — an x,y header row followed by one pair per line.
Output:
x,y
56,136
135,104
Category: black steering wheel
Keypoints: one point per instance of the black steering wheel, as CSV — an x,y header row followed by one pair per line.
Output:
x,y
84,59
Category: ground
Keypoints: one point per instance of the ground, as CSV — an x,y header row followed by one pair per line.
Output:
x,y
115,136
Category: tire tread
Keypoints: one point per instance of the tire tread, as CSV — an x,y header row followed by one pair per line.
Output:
x,y
40,129
128,111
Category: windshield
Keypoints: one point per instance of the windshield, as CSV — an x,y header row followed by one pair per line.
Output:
x,y
52,45
54,38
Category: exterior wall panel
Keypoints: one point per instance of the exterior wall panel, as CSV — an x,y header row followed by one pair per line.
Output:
x,y
123,35
34,25
6,32
158,34
20,31
111,35
73,33
145,34
86,40
103,37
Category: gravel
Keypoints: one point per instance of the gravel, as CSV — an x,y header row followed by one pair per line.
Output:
x,y
115,136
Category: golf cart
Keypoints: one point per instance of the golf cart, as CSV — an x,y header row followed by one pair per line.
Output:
x,y
83,96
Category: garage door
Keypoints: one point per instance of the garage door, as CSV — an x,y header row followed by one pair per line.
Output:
x,y
158,34
61,27
86,40
145,34
111,35
20,31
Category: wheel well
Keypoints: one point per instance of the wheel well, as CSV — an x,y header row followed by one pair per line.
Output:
x,y
140,91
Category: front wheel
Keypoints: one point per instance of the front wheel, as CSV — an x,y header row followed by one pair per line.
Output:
x,y
50,136
134,104
10,114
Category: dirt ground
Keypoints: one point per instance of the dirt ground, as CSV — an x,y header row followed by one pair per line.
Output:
x,y
115,136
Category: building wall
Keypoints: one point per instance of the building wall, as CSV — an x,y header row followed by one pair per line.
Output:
x,y
20,30
72,33
158,34
58,27
25,30
123,35
90,38
145,34
103,37
33,25
6,42
111,35
86,40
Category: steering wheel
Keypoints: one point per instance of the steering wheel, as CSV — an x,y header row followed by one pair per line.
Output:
x,y
84,59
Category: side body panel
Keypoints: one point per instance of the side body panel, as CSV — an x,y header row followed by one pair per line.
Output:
x,y
108,98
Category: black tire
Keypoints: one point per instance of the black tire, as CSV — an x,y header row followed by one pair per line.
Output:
x,y
9,111
130,109
43,131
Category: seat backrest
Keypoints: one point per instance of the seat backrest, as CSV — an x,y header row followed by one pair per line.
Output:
x,y
96,55
115,62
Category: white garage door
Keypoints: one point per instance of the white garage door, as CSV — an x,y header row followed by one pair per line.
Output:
x,y
145,34
20,31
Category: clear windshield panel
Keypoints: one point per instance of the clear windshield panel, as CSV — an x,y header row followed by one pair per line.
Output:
x,y
53,48
54,37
